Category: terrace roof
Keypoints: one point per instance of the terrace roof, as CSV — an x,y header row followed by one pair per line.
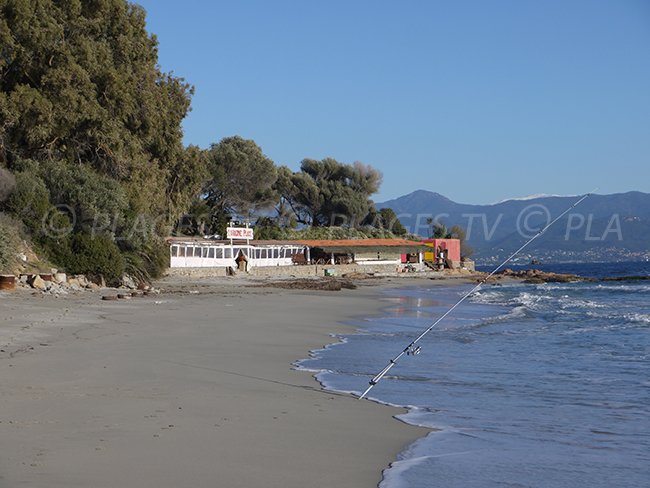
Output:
x,y
328,245
360,245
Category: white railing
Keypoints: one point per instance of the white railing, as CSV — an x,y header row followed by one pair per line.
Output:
x,y
192,255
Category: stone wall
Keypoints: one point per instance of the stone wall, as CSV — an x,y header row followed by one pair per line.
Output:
x,y
298,271
319,269
468,265
198,272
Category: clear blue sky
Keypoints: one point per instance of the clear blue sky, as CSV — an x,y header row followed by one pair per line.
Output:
x,y
477,100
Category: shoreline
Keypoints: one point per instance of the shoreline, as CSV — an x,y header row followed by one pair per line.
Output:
x,y
268,409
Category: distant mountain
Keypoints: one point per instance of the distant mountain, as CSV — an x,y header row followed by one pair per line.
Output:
x,y
602,228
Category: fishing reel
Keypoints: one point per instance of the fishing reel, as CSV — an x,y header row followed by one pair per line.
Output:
x,y
413,350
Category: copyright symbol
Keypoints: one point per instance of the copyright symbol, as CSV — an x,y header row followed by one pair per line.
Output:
x,y
55,223
531,215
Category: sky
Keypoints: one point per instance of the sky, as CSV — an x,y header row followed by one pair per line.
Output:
x,y
477,100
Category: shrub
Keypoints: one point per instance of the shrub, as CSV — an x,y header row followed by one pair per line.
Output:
x,y
30,200
95,200
149,262
9,243
7,184
92,255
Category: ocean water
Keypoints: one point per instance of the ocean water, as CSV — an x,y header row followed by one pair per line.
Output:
x,y
527,385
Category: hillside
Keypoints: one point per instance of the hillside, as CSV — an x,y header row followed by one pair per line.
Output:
x,y
602,228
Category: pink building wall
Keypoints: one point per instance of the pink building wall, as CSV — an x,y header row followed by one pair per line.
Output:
x,y
452,246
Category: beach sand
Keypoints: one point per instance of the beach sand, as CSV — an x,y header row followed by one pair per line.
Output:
x,y
192,387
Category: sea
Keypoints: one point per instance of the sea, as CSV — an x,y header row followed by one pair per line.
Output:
x,y
523,385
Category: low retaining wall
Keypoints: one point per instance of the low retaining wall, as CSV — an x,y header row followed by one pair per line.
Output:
x,y
319,269
197,272
298,271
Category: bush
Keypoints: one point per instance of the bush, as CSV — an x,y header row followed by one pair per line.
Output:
x,y
96,201
336,233
7,184
157,259
92,255
147,263
30,200
9,244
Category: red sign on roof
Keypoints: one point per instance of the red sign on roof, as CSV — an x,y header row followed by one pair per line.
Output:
x,y
239,233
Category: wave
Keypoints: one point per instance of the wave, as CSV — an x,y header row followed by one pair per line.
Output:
x,y
586,287
316,354
625,288
535,301
516,313
393,476
567,301
643,318
628,317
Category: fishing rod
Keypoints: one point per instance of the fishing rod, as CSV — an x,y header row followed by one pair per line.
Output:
x,y
413,349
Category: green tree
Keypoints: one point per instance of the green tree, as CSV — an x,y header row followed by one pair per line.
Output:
x,y
385,220
457,232
391,222
82,95
268,228
241,180
328,192
439,231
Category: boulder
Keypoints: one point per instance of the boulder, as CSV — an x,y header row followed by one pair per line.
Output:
x,y
83,281
128,282
38,283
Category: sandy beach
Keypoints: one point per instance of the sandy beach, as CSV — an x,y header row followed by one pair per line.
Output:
x,y
192,387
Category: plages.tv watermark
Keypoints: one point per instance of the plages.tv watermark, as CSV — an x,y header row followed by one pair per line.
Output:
x,y
62,220
528,222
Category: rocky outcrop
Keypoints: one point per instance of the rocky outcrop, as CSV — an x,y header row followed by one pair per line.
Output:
x,y
536,276
627,278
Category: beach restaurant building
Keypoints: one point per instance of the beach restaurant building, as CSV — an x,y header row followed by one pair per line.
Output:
x,y
189,252
445,249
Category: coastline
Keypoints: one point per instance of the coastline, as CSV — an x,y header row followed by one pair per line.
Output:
x,y
131,393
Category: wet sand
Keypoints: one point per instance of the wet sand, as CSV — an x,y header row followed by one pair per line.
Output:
x,y
193,387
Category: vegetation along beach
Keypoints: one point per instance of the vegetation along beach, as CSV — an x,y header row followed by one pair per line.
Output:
x,y
345,244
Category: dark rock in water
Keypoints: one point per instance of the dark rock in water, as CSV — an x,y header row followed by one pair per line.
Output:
x,y
536,276
534,281
627,278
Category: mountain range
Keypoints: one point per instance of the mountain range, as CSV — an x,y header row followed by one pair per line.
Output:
x,y
612,227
